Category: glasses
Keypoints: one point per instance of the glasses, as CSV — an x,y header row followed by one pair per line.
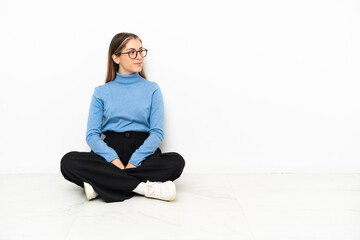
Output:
x,y
133,54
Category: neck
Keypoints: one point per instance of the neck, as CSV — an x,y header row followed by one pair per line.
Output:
x,y
127,79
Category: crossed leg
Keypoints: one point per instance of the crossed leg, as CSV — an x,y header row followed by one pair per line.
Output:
x,y
114,184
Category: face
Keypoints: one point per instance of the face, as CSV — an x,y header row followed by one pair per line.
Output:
x,y
126,64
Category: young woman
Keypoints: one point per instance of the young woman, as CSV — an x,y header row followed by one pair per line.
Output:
x,y
129,111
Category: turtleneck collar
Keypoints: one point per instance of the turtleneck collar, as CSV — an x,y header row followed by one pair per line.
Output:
x,y
127,79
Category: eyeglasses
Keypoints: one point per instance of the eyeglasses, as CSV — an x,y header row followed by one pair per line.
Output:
x,y
133,54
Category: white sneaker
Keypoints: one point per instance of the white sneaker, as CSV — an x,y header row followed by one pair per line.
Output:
x,y
89,191
160,190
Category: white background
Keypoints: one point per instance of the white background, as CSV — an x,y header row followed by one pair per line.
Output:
x,y
257,86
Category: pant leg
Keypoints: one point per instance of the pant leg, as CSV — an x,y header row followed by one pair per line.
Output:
x,y
110,182
159,167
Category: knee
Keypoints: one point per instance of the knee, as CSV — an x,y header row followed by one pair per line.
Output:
x,y
67,160
178,161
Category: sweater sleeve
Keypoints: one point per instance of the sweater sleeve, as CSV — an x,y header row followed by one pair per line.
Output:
x,y
93,132
156,132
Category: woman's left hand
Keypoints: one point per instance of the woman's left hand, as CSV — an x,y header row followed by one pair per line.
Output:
x,y
129,165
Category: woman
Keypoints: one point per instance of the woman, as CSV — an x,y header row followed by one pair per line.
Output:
x,y
129,111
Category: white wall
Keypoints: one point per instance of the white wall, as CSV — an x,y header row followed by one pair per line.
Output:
x,y
248,85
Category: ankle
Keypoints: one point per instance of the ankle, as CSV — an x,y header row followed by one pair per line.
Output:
x,y
140,189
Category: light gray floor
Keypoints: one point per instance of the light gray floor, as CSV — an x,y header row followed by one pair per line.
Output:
x,y
208,206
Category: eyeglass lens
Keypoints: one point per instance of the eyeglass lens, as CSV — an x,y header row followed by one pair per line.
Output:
x,y
133,54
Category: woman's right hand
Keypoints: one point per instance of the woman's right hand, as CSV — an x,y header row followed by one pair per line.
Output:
x,y
118,163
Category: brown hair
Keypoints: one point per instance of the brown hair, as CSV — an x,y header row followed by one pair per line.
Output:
x,y
117,44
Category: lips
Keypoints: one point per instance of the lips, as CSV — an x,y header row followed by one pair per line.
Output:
x,y
139,64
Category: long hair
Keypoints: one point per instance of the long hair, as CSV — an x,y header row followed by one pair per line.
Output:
x,y
117,44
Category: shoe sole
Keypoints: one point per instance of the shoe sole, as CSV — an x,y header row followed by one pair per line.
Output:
x,y
88,189
174,195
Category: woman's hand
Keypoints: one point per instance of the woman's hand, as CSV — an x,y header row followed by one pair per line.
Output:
x,y
129,165
118,163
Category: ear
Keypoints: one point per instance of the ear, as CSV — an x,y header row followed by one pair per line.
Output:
x,y
115,58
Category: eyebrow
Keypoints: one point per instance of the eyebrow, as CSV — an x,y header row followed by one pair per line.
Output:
x,y
133,48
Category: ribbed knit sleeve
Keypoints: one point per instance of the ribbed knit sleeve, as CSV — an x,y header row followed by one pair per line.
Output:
x,y
156,132
94,124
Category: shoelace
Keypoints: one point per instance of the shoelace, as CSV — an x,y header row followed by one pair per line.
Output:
x,y
152,190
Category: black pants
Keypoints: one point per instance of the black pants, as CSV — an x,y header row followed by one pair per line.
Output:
x,y
112,183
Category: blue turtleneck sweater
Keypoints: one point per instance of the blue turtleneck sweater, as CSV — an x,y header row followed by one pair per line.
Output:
x,y
128,103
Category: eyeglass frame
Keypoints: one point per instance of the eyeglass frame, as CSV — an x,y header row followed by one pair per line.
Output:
x,y
128,53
